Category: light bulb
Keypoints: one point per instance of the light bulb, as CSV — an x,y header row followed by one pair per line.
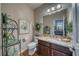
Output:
x,y
58,6
48,10
53,8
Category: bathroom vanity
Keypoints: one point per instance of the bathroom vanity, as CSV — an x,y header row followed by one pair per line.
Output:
x,y
53,48
56,37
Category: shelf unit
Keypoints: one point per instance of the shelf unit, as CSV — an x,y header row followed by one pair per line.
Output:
x,y
11,45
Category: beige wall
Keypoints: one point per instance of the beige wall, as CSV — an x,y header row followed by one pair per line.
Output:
x,y
48,21
20,12
69,14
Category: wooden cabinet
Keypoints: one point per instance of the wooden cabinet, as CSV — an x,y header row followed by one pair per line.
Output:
x,y
43,50
49,49
60,50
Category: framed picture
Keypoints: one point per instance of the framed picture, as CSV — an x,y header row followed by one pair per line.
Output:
x,y
24,26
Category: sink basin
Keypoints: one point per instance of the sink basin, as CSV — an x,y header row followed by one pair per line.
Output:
x,y
66,40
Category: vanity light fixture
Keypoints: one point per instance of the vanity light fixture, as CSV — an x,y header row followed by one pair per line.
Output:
x,y
53,8
58,6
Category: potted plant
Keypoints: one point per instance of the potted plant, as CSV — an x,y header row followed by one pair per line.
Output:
x,y
69,29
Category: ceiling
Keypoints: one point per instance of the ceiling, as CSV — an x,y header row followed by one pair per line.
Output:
x,y
34,5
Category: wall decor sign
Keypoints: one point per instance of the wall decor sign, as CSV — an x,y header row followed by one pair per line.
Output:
x,y
24,26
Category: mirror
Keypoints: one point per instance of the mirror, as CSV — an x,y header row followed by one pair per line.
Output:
x,y
57,24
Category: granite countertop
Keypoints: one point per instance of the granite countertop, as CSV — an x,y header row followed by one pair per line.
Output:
x,y
55,41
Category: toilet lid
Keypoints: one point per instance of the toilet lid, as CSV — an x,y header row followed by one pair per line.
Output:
x,y
32,44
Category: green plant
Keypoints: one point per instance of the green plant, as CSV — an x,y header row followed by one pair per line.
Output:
x,y
69,27
4,18
37,27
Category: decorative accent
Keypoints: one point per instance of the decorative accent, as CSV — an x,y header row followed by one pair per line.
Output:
x,y
69,27
24,26
10,37
46,30
37,27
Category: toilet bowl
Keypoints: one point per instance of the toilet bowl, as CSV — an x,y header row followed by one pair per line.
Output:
x,y
32,48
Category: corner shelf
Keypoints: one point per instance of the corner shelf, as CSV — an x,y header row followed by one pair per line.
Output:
x,y
11,44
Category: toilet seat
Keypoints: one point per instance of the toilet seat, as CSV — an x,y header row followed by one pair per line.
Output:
x,y
31,45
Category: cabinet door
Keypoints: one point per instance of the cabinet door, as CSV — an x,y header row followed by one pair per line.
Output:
x,y
39,49
58,53
43,50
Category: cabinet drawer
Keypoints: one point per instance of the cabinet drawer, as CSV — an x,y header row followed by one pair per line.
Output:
x,y
43,43
58,53
61,49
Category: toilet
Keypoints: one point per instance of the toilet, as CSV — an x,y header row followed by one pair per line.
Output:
x,y
32,47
